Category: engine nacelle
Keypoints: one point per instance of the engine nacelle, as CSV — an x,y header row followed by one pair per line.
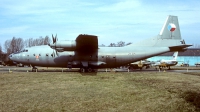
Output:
x,y
64,45
83,44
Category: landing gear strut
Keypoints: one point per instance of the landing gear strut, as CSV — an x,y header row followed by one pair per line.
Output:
x,y
34,69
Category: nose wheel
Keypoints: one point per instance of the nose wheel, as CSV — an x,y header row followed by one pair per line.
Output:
x,y
34,69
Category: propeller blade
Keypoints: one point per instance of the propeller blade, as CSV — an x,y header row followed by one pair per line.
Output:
x,y
54,39
56,52
53,54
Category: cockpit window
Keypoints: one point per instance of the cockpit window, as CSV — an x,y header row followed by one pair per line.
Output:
x,y
25,50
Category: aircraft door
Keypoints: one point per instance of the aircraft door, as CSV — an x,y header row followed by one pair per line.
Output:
x,y
111,60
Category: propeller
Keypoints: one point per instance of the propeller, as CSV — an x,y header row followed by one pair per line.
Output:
x,y
53,54
54,38
53,46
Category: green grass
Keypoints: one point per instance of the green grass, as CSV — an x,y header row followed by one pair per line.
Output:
x,y
137,91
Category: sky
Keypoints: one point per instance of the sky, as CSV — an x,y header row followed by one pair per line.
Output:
x,y
111,20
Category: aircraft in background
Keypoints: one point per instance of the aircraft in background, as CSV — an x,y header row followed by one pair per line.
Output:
x,y
140,64
167,63
197,64
85,54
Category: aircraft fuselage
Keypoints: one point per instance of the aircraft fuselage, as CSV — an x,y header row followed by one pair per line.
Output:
x,y
104,57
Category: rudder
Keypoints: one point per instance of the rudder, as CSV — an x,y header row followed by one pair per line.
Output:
x,y
170,29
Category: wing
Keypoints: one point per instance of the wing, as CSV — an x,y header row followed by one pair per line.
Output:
x,y
86,43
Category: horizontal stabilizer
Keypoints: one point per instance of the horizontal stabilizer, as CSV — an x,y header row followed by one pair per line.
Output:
x,y
179,47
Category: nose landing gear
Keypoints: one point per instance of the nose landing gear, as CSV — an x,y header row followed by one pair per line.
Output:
x,y
34,69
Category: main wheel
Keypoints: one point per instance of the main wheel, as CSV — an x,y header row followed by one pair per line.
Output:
x,y
89,69
82,70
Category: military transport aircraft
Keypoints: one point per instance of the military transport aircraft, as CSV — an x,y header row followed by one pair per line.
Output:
x,y
167,63
85,54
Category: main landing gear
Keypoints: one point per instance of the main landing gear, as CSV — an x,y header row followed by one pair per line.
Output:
x,y
87,70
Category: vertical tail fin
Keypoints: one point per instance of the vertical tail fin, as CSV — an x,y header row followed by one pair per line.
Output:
x,y
169,35
170,29
175,55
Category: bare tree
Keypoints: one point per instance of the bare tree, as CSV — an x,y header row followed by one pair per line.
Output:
x,y
19,44
196,46
47,40
121,44
14,45
40,41
28,42
36,42
129,43
102,45
112,45
7,46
